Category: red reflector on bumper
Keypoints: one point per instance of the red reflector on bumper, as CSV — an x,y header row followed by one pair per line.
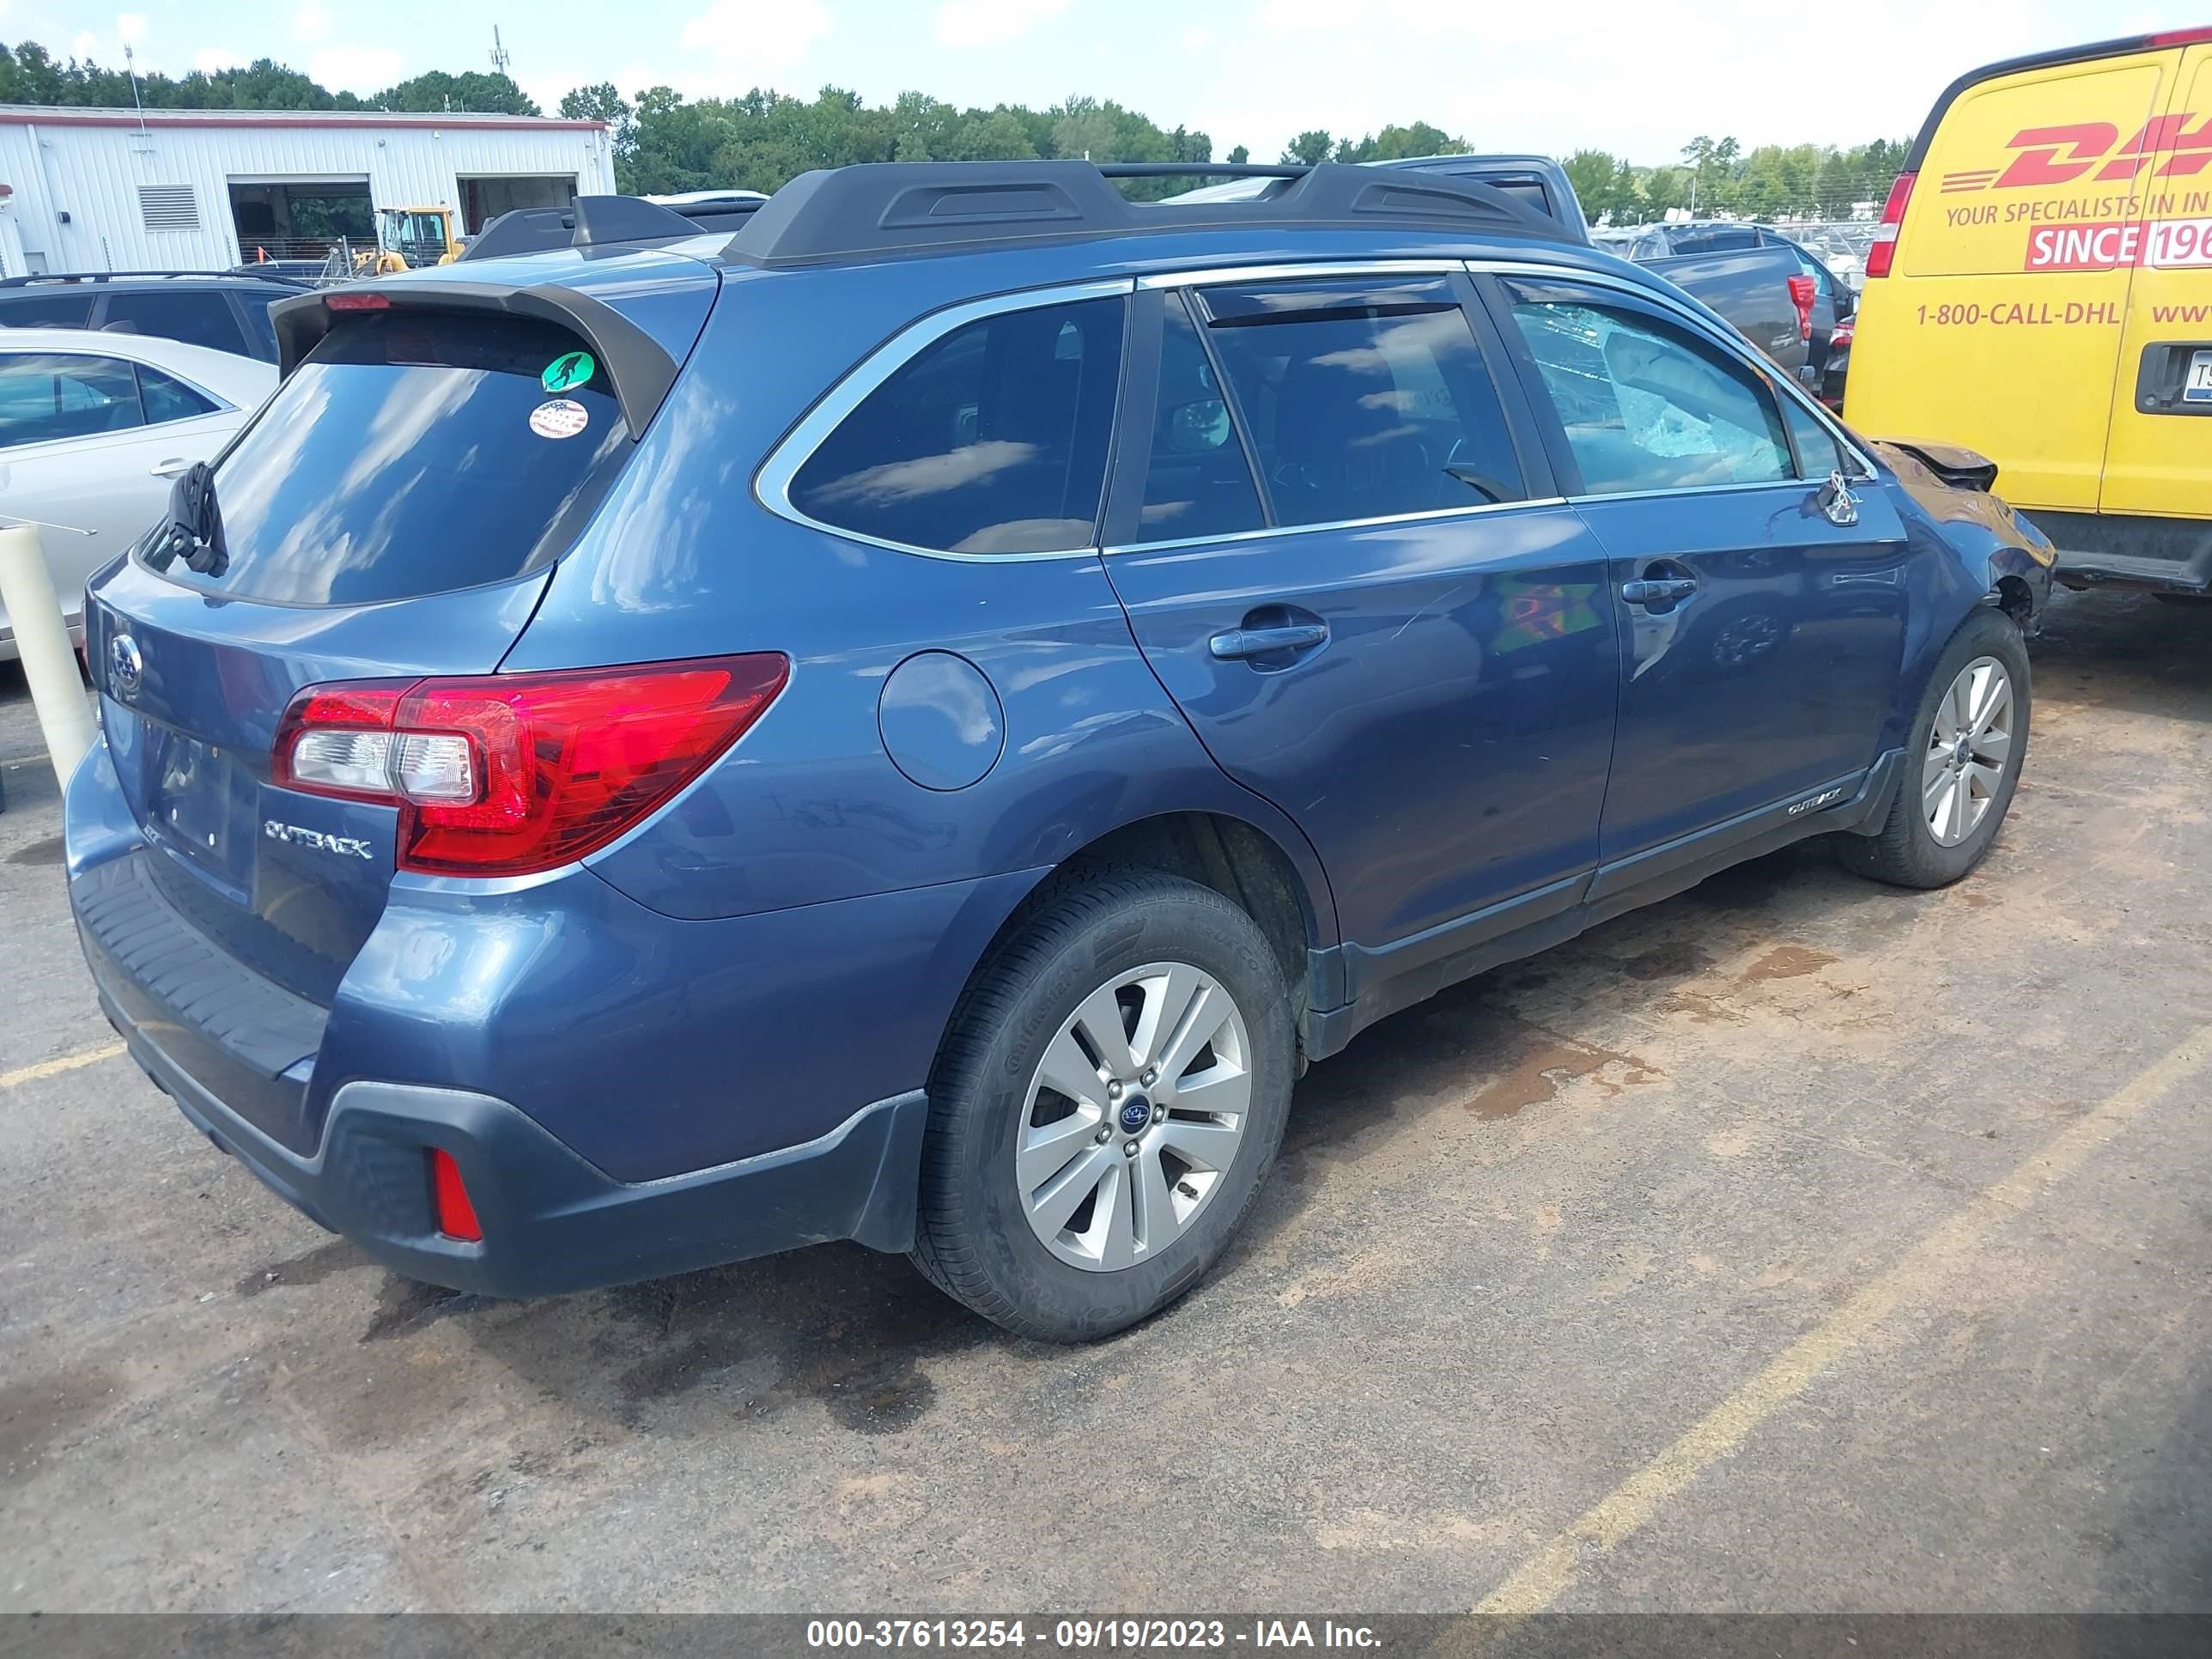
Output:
x,y
457,1217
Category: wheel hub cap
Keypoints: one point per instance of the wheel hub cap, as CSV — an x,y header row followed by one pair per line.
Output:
x,y
1136,1114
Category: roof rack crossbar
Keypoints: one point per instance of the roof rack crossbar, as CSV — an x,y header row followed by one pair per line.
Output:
x,y
888,208
39,276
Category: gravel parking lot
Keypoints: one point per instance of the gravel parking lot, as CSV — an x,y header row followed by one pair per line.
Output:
x,y
1797,1244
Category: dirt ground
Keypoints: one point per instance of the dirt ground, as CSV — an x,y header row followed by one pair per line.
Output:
x,y
1796,1244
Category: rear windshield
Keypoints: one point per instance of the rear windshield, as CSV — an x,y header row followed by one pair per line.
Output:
x,y
413,454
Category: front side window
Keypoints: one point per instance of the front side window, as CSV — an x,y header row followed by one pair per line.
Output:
x,y
1647,405
992,439
1364,400
1818,453
44,396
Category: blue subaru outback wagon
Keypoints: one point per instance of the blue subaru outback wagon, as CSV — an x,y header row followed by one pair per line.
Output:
x,y
915,721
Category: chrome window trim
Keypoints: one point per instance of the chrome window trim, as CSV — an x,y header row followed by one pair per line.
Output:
x,y
772,481
1735,347
1281,529
1216,276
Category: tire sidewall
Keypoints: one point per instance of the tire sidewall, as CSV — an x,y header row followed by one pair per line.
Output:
x,y
1173,921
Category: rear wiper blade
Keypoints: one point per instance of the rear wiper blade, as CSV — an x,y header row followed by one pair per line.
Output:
x,y
194,530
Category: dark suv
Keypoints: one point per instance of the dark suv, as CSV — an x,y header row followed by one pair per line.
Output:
x,y
914,722
202,308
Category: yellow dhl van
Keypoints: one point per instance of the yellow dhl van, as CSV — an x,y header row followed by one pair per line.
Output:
x,y
2041,290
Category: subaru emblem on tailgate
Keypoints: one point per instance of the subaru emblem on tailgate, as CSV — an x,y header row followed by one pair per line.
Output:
x,y
125,667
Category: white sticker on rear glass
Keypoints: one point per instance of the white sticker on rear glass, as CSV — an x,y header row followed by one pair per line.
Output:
x,y
562,417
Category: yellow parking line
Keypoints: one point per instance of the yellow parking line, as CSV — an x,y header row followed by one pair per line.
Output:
x,y
1632,1504
55,1067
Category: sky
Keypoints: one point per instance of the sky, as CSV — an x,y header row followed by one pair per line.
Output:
x,y
1637,78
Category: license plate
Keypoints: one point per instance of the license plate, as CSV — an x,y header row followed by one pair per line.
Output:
x,y
2198,388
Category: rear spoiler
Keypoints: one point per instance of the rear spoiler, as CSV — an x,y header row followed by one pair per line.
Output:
x,y
641,371
1954,464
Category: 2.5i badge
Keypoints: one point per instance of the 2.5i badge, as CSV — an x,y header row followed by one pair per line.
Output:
x,y
562,417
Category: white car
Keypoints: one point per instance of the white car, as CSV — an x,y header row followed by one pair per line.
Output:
x,y
94,429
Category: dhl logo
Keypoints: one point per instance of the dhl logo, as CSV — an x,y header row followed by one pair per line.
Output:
x,y
2059,155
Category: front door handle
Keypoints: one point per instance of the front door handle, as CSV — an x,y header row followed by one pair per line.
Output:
x,y
1659,590
1242,642
175,467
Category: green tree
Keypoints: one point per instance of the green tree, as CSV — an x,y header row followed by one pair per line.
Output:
x,y
495,94
1239,157
1310,148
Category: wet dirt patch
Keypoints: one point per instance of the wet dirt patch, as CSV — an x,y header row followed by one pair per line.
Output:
x,y
404,1306
1676,959
1538,1063
48,851
309,1268
754,1342
1788,961
36,1413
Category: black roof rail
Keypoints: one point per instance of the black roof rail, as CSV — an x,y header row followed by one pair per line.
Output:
x,y
881,207
136,276
604,221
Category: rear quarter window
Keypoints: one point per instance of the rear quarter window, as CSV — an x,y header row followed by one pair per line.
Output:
x,y
2014,157
412,454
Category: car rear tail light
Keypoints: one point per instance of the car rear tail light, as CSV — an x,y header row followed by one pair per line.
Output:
x,y
371,301
1883,248
510,773
1801,295
1841,335
2180,37
457,1216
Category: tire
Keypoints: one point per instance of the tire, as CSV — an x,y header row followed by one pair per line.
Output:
x,y
1909,851
1131,947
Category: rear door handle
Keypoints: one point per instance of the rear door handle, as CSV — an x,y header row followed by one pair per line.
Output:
x,y
1658,590
1242,642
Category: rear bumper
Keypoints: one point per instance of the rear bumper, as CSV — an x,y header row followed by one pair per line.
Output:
x,y
2113,550
551,1222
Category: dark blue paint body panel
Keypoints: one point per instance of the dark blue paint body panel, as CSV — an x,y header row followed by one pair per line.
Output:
x,y
647,1060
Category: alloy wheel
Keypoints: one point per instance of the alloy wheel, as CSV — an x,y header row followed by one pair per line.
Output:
x,y
1968,747
1133,1116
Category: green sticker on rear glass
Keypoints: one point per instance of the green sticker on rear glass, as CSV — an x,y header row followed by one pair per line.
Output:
x,y
572,369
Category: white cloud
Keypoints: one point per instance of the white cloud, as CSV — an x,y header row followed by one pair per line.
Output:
x,y
987,22
85,46
356,69
130,27
747,36
210,60
1309,16
1197,38
312,22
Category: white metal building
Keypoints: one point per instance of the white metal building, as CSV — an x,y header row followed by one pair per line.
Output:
x,y
195,190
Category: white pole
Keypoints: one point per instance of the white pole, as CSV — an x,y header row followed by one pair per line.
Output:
x,y
26,588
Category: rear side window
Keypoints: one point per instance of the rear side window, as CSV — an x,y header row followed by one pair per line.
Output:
x,y
47,396
200,317
1364,400
1648,406
168,399
1714,239
35,309
992,439
1198,483
412,454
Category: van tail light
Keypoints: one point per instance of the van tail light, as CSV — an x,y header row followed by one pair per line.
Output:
x,y
1883,248
457,1216
505,774
1801,295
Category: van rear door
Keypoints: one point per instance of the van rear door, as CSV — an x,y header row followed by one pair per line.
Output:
x,y
2161,421
2001,325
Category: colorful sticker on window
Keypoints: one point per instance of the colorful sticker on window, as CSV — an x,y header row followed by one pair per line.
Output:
x,y
571,368
562,417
